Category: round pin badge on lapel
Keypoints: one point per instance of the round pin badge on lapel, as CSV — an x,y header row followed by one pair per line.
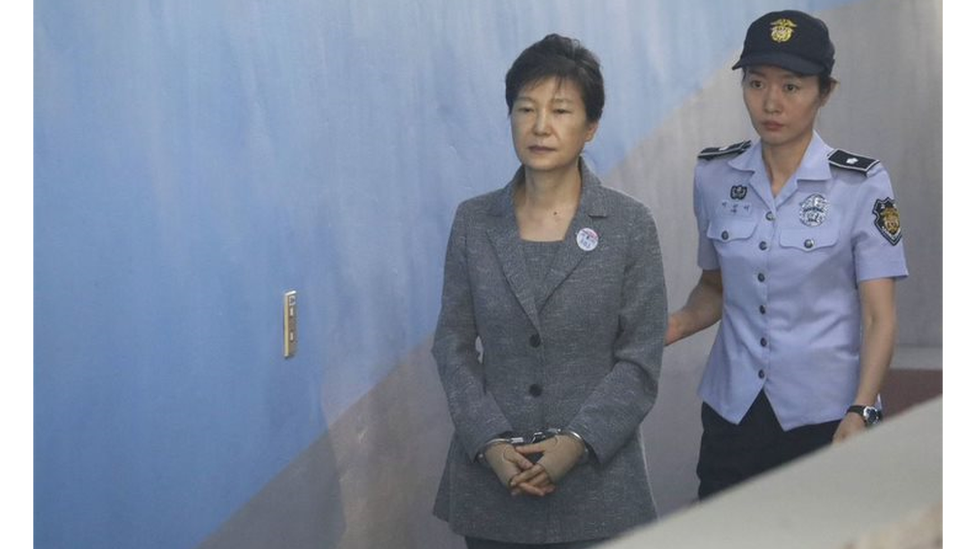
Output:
x,y
587,239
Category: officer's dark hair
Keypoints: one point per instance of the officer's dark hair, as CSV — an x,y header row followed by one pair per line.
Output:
x,y
825,82
565,59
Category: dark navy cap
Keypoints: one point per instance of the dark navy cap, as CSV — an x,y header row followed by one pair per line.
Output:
x,y
791,40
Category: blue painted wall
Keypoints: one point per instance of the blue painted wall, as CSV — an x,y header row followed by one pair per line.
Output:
x,y
193,160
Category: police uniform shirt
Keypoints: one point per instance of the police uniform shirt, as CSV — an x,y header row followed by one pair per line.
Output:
x,y
790,264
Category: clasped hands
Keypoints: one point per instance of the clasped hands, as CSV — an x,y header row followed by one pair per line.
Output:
x,y
517,472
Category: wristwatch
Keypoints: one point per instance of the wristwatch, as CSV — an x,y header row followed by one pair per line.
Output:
x,y
870,414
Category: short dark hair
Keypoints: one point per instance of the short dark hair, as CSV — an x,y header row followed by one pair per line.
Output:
x,y
563,58
826,83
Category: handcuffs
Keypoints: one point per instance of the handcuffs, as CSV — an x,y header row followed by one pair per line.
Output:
x,y
534,438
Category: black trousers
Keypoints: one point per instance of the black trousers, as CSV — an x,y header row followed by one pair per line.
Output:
x,y
477,543
732,453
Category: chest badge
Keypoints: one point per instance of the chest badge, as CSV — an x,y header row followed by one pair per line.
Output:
x,y
587,239
738,192
813,210
887,220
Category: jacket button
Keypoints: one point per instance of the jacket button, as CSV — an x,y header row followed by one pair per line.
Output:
x,y
770,216
725,235
763,245
762,309
808,244
763,342
535,390
535,340
761,277
762,374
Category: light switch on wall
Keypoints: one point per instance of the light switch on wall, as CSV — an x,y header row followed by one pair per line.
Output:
x,y
291,323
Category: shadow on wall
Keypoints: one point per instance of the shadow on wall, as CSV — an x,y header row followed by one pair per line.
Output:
x,y
369,482
302,508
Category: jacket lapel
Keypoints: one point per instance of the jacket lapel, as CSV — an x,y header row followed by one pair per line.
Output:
x,y
504,236
570,253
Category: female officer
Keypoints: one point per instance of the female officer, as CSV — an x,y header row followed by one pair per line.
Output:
x,y
560,281
800,247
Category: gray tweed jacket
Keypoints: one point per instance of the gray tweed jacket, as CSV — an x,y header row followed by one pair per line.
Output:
x,y
585,355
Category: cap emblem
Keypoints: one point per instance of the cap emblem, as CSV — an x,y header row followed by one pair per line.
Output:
x,y
782,30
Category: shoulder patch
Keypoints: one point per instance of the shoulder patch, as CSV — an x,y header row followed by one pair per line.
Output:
x,y
715,152
887,219
845,160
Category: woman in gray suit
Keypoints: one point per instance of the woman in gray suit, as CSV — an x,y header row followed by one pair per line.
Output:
x,y
551,329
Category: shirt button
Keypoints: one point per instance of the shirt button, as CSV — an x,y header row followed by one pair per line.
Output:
x,y
725,235
535,390
761,277
535,340
770,216
762,374
763,245
763,342
808,244
762,309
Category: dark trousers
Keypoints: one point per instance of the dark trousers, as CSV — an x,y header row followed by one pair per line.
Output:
x,y
478,543
732,453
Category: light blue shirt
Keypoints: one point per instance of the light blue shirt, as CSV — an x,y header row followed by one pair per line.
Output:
x,y
791,264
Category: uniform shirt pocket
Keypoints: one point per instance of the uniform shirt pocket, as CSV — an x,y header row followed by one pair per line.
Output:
x,y
808,239
728,229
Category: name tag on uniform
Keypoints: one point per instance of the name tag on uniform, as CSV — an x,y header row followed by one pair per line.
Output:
x,y
735,208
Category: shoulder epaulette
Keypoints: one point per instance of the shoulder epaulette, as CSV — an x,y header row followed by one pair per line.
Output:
x,y
848,161
715,152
